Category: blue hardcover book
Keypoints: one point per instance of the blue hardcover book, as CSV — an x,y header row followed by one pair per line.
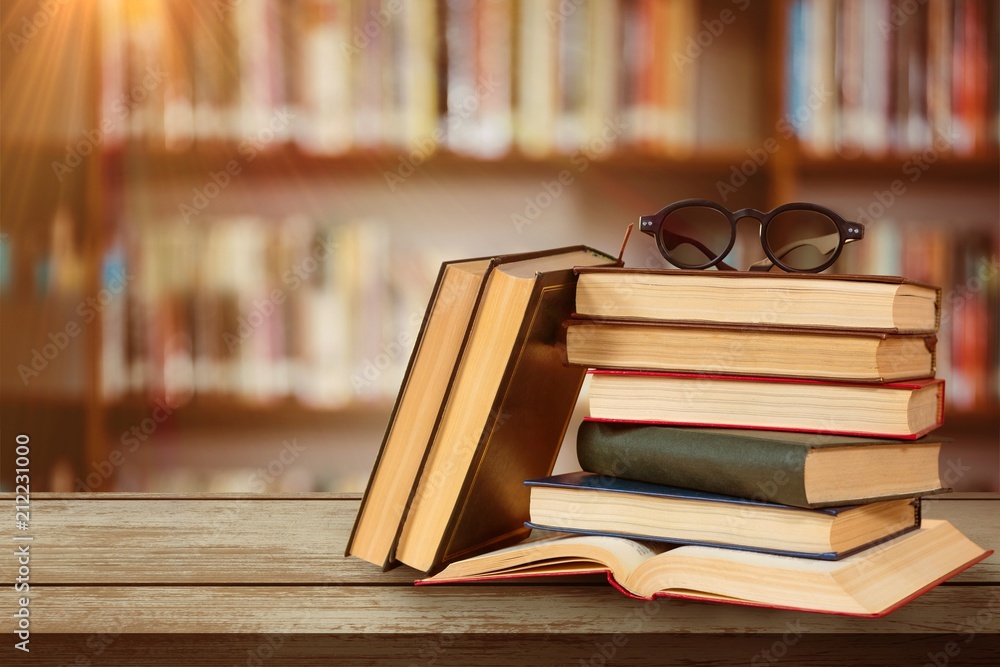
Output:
x,y
592,504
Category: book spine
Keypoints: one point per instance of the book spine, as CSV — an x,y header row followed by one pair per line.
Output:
x,y
392,415
757,469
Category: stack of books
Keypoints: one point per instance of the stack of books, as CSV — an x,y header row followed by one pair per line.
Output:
x,y
754,438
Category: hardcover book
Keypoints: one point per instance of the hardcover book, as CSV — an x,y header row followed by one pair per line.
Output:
x,y
857,356
437,348
505,415
879,303
588,503
904,410
799,469
870,583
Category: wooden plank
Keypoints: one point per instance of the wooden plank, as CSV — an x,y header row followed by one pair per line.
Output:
x,y
980,521
503,650
167,541
323,495
961,495
262,539
46,496
484,609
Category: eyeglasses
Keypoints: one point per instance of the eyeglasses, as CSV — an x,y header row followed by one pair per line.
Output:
x,y
699,234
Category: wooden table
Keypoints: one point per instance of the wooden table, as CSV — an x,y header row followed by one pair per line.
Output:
x,y
251,580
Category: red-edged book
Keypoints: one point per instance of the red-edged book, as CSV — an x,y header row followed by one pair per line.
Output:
x,y
870,583
905,410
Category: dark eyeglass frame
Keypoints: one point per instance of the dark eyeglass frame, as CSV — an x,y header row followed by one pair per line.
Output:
x,y
652,225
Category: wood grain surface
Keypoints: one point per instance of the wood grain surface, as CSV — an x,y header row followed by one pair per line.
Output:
x,y
240,539
237,579
489,609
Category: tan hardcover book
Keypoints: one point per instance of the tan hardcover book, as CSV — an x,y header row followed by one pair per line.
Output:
x,y
439,344
879,303
601,504
505,415
905,410
855,356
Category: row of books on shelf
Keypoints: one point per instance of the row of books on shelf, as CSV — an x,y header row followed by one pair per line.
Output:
x,y
479,77
187,317
199,312
879,76
337,339
262,310
790,479
47,264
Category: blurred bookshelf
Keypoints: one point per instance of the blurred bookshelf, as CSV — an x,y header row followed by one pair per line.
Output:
x,y
221,221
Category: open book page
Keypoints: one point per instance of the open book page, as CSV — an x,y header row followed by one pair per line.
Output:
x,y
871,582
743,575
554,553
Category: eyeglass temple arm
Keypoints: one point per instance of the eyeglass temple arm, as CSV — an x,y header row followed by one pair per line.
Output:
x,y
824,244
675,240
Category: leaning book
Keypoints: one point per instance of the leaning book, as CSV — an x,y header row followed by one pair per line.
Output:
x,y
871,583
489,323
438,347
504,417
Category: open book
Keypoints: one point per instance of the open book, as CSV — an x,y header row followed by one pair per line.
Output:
x,y
870,583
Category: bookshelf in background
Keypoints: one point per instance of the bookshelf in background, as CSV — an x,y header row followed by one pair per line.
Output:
x,y
488,78
263,311
884,78
288,100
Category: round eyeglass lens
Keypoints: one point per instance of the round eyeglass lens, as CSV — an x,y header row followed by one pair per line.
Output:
x,y
802,240
695,235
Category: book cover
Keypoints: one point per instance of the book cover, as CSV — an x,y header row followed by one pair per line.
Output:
x,y
749,408
759,465
763,351
530,415
621,485
418,349
517,397
779,290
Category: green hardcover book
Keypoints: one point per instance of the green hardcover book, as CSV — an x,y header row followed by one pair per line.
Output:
x,y
790,468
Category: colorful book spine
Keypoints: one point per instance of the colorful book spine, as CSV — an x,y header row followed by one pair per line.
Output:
x,y
913,77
